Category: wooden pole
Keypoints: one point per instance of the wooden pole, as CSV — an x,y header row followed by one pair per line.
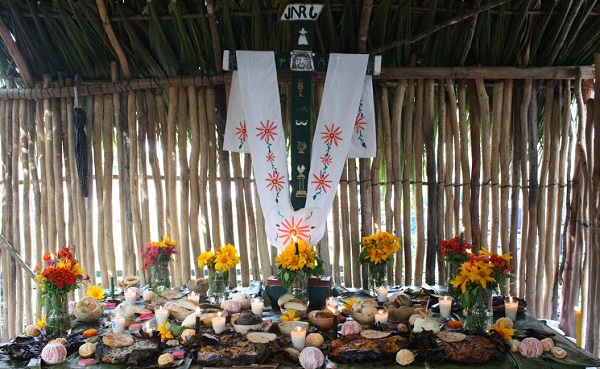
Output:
x,y
48,168
141,176
255,250
527,94
238,190
135,120
171,173
99,174
418,158
6,203
464,158
531,267
449,161
184,186
396,131
17,297
203,170
406,198
355,237
336,226
496,142
454,122
345,224
212,170
507,116
516,175
57,162
107,149
483,160
433,226
156,112
194,228
389,172
441,182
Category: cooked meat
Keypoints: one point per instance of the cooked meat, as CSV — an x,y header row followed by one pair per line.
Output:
x,y
354,349
473,349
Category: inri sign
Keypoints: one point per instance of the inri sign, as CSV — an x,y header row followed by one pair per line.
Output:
x,y
301,12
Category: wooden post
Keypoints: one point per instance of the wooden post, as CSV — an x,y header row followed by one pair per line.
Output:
x,y
433,226
396,172
184,187
418,158
406,205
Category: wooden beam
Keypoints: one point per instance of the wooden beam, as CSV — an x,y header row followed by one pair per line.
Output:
x,y
113,39
16,256
15,53
455,73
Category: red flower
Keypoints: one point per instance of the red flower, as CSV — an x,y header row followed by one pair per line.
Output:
x,y
275,181
359,122
322,181
326,159
332,135
241,131
270,157
290,229
266,131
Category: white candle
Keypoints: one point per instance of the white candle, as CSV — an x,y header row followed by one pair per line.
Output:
x,y
161,315
130,297
148,329
193,296
257,306
218,323
510,308
118,324
382,294
381,316
298,338
445,306
332,302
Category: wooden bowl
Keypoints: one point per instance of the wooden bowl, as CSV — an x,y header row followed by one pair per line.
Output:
x,y
286,328
322,319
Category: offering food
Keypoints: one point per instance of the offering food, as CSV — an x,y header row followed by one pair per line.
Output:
x,y
531,348
373,334
451,336
261,337
471,350
405,357
454,324
87,350
311,358
558,352
166,359
508,323
351,327
353,349
54,353
315,340
32,331
117,340
547,344
88,309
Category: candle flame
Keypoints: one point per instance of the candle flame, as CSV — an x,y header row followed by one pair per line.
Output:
x,y
331,309
510,299
198,311
381,311
577,309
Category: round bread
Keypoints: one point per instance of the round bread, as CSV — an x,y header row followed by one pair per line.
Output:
x,y
171,294
373,334
115,340
166,359
451,337
558,352
547,344
261,337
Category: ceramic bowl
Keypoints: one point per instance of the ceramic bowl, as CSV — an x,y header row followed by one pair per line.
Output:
x,y
286,328
322,319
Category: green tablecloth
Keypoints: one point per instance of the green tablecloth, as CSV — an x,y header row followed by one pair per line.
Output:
x,y
576,358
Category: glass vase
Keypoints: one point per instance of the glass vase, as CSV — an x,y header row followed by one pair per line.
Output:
x,y
453,271
161,276
377,273
479,312
298,287
57,313
217,287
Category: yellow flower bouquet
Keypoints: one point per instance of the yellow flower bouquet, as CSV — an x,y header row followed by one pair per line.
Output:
x,y
378,251
478,279
294,265
219,263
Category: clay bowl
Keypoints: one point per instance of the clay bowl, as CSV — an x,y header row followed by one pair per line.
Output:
x,y
243,328
400,314
322,319
286,328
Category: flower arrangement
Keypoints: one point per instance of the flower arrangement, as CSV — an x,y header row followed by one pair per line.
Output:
x,y
225,258
456,249
379,248
298,259
62,273
479,277
488,271
159,252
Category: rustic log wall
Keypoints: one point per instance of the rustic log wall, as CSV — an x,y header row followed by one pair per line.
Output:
x,y
505,161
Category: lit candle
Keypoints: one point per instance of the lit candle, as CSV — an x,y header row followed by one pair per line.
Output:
x,y
112,285
382,294
192,296
130,297
445,306
510,308
376,226
298,338
52,262
578,326
198,319
381,316
257,306
118,324
161,315
332,302
218,323
149,331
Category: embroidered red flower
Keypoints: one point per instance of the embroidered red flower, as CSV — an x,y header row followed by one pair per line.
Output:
x,y
270,157
326,159
359,122
332,135
275,181
322,181
241,132
266,131
290,229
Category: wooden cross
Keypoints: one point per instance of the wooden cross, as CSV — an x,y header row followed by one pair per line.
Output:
x,y
302,63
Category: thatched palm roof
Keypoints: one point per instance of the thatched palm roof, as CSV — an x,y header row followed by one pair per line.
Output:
x,y
168,38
